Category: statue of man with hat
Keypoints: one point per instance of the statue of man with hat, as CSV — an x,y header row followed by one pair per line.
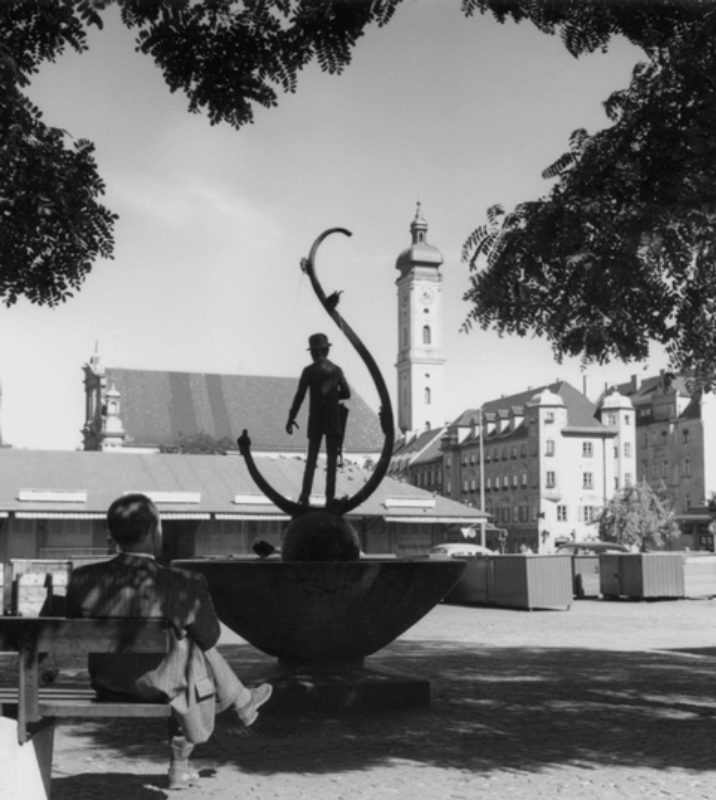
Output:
x,y
327,386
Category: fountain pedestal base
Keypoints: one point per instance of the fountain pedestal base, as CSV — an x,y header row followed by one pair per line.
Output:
x,y
357,688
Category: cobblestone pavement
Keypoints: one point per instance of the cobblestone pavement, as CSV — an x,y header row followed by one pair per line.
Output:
x,y
607,700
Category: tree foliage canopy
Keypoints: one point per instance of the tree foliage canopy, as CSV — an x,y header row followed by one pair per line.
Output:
x,y
621,251
637,516
200,443
227,56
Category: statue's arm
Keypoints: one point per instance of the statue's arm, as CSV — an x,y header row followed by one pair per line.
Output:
x,y
297,400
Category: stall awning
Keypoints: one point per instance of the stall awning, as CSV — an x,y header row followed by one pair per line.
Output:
x,y
430,520
253,517
60,514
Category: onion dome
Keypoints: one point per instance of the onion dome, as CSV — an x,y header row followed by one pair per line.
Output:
x,y
420,253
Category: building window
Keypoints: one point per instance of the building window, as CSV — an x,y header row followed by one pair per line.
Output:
x,y
627,419
549,447
687,468
524,479
611,419
427,396
627,479
549,480
514,481
685,435
587,449
616,482
549,416
627,449
488,484
561,513
645,439
590,513
665,469
426,334
513,451
587,480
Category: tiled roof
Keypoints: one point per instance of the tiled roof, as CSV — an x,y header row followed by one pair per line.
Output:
x,y
220,485
431,452
157,408
580,410
647,386
418,444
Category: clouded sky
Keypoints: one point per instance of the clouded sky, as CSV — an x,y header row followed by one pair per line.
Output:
x,y
458,113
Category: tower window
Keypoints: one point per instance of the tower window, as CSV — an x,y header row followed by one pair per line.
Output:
x,y
427,396
427,336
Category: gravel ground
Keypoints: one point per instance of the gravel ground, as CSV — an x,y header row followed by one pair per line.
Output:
x,y
606,700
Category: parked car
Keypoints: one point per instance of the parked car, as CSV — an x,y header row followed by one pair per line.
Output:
x,y
460,549
591,548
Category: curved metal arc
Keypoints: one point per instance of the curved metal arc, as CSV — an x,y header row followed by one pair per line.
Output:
x,y
289,506
342,506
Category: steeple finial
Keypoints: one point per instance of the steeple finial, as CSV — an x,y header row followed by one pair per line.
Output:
x,y
419,226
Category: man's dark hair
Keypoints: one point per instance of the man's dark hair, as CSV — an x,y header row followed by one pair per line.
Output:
x,y
130,518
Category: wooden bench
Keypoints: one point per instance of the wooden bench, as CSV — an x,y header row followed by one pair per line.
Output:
x,y
36,706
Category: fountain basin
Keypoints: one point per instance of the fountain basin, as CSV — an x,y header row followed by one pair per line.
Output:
x,y
324,611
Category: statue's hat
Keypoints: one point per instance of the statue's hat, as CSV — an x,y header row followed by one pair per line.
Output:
x,y
318,341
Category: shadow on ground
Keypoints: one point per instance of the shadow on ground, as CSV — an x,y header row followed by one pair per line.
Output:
x,y
493,709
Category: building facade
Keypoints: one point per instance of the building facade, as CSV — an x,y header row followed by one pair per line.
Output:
x,y
676,449
421,363
542,463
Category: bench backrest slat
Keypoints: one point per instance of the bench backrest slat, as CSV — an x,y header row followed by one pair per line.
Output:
x,y
79,636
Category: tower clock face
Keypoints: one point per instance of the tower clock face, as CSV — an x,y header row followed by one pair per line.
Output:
x,y
427,296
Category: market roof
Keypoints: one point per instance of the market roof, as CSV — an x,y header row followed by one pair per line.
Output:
x,y
78,484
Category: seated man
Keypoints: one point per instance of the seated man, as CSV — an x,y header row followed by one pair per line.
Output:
x,y
193,677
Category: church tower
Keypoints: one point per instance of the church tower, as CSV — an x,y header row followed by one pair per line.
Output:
x,y
420,365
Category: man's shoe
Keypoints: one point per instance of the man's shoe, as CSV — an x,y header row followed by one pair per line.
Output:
x,y
182,776
249,712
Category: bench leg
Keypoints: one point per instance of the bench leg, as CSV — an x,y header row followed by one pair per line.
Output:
x,y
42,740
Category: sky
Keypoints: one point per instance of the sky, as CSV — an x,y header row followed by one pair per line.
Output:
x,y
457,113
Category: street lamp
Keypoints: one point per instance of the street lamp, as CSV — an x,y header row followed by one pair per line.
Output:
x,y
482,476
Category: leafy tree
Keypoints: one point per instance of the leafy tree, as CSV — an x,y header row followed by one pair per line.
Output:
x,y
638,516
621,251
227,56
200,443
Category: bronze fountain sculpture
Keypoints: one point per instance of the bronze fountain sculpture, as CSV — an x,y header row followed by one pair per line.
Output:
x,y
324,606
